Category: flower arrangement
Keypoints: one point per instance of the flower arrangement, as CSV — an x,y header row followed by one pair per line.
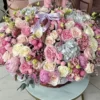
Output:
x,y
49,47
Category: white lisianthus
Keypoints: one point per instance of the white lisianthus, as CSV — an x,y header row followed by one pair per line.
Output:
x,y
89,68
64,71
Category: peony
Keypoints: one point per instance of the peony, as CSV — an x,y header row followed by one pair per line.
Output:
x,y
22,39
26,30
44,76
64,71
49,40
66,35
19,23
49,66
89,68
6,56
25,68
69,24
50,53
76,32
54,79
12,65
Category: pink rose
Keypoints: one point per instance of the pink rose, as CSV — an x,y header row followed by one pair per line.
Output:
x,y
26,30
25,68
12,65
50,53
44,76
76,32
66,35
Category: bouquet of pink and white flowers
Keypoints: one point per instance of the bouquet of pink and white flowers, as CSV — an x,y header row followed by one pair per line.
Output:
x,y
50,47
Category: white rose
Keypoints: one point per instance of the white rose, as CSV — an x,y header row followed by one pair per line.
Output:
x,y
64,71
93,43
69,24
6,56
49,66
89,31
89,68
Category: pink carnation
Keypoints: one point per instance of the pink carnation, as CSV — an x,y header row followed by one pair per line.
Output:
x,y
12,65
83,42
83,61
66,35
25,68
44,77
2,50
26,30
1,60
50,53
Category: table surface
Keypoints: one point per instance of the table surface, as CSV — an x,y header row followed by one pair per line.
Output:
x,y
67,92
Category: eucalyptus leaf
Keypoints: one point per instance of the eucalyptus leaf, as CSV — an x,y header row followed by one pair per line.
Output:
x,y
22,87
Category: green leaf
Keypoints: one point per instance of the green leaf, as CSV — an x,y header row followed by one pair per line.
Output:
x,y
22,87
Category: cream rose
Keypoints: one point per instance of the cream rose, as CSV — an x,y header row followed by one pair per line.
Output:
x,y
49,66
38,33
24,51
64,71
16,49
6,56
69,24
49,40
54,34
89,68
20,50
